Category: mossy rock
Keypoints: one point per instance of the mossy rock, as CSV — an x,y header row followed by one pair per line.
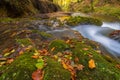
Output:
x,y
42,33
59,46
55,71
21,69
72,21
104,69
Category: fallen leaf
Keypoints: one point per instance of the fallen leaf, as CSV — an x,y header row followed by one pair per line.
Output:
x,y
35,57
40,63
118,66
10,61
13,34
38,75
68,41
76,59
80,67
64,65
85,49
91,64
53,49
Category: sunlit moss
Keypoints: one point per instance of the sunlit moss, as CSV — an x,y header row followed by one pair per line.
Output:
x,y
43,34
55,71
25,41
20,69
82,20
58,45
104,70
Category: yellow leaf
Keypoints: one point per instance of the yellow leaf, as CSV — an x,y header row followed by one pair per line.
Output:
x,y
53,49
91,64
64,65
68,41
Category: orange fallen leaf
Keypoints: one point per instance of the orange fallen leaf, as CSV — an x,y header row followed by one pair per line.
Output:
x,y
21,52
10,61
85,49
91,64
38,75
64,65
76,59
53,49
68,41
35,57
118,66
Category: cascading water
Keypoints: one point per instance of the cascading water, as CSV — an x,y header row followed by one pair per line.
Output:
x,y
99,34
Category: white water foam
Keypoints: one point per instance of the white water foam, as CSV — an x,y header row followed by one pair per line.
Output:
x,y
97,33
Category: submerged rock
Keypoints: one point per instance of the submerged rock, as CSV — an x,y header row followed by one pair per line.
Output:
x,y
115,35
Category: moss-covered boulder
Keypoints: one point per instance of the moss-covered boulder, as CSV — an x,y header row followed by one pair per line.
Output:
x,y
21,69
72,21
58,45
103,69
55,71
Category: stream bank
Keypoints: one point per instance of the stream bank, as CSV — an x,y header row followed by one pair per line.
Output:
x,y
30,45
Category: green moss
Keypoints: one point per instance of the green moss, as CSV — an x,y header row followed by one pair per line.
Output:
x,y
83,20
59,46
55,71
43,34
20,69
25,41
5,20
108,10
104,70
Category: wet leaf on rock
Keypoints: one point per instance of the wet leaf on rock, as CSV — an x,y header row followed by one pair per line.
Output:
x,y
91,64
40,63
38,75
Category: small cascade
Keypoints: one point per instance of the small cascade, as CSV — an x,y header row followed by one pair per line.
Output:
x,y
100,35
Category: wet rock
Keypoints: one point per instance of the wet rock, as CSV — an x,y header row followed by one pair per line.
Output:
x,y
62,34
115,35
44,28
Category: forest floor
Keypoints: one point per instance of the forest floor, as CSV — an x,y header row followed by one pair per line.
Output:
x,y
31,49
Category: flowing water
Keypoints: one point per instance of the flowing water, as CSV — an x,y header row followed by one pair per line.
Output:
x,y
99,34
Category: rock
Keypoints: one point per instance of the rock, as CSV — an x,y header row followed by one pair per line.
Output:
x,y
16,8
44,28
115,35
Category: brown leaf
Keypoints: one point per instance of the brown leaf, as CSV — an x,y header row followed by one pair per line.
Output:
x,y
118,66
68,41
10,61
76,59
85,49
80,67
38,75
91,64
13,34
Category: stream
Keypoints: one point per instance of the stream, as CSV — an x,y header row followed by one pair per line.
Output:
x,y
100,35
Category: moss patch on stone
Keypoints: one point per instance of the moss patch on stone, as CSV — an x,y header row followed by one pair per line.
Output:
x,y
55,71
72,21
59,46
20,69
104,69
